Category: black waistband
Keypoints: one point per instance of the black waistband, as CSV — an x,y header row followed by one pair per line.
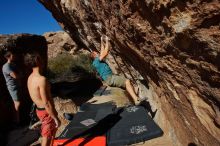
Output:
x,y
40,109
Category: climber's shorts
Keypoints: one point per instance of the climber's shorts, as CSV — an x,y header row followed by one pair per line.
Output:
x,y
116,81
48,127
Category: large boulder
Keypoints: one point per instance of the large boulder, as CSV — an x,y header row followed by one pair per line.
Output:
x,y
20,44
59,42
174,45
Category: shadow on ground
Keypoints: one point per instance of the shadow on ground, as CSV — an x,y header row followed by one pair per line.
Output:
x,y
79,91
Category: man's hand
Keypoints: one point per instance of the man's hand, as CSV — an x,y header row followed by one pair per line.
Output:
x,y
107,39
14,75
57,121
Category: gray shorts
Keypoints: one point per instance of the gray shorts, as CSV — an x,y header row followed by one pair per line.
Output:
x,y
15,94
116,81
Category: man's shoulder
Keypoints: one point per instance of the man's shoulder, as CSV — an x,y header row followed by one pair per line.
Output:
x,y
6,67
96,60
38,78
42,78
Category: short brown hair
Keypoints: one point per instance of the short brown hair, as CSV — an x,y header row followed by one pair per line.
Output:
x,y
31,59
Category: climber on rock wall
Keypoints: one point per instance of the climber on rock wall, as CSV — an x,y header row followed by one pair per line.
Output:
x,y
105,71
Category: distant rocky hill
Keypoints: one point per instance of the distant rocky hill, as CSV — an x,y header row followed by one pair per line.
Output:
x,y
59,42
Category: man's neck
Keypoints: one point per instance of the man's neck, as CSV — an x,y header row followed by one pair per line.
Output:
x,y
9,61
36,70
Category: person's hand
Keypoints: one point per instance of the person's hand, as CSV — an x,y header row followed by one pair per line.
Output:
x,y
106,38
107,43
57,122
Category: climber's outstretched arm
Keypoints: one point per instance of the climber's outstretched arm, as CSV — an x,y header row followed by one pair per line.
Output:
x,y
104,48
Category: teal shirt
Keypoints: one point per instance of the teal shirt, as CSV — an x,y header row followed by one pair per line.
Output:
x,y
102,68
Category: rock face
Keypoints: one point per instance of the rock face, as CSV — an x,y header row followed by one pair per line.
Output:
x,y
20,44
59,42
173,44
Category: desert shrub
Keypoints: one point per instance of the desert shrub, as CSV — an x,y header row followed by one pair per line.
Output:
x,y
84,61
65,64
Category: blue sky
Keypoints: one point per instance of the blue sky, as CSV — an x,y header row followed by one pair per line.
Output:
x,y
25,16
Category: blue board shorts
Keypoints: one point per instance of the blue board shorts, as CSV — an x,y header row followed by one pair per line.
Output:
x,y
15,94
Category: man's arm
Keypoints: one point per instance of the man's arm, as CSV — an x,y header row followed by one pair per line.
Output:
x,y
104,50
8,69
14,75
47,101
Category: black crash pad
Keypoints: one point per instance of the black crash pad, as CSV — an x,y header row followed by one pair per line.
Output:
x,y
122,126
135,126
90,115
81,122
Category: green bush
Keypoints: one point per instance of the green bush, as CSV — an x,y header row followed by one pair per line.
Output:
x,y
65,64
84,61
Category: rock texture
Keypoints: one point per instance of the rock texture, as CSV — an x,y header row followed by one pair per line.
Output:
x,y
20,44
173,44
58,43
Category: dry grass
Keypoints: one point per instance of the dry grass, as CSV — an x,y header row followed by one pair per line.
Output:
x,y
65,64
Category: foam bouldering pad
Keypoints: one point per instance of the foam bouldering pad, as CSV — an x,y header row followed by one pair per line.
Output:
x,y
121,126
89,124
96,141
89,115
81,122
134,126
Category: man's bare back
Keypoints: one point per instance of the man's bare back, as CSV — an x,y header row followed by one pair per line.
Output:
x,y
38,87
39,90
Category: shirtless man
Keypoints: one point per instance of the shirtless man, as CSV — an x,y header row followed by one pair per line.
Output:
x,y
39,90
